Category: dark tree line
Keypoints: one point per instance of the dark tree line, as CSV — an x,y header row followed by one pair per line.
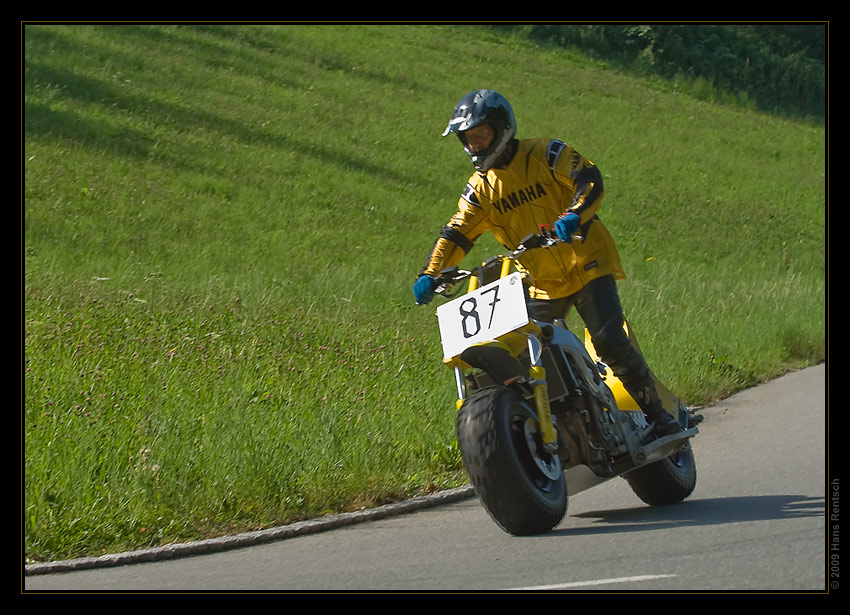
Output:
x,y
773,67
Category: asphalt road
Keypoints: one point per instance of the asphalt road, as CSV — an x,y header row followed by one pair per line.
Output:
x,y
756,522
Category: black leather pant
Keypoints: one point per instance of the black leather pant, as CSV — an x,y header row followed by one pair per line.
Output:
x,y
598,304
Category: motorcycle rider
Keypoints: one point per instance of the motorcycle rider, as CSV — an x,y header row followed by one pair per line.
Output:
x,y
519,186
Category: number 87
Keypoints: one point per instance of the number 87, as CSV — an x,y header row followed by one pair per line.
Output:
x,y
472,312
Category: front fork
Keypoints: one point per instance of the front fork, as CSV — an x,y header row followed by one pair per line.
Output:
x,y
537,380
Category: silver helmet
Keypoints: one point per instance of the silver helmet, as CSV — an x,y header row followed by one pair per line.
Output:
x,y
484,107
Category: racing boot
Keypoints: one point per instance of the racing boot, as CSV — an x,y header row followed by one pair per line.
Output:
x,y
663,423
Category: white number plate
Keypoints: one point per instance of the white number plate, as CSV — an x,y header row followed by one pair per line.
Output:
x,y
482,315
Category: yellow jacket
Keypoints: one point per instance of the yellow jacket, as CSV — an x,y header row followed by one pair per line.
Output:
x,y
544,179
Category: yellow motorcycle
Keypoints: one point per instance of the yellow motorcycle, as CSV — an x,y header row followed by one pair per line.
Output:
x,y
540,417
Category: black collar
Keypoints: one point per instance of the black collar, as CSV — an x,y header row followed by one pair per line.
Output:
x,y
507,156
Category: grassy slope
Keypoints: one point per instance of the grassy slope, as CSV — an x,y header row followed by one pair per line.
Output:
x,y
221,225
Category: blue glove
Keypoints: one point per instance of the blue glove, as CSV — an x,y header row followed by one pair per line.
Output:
x,y
566,225
423,290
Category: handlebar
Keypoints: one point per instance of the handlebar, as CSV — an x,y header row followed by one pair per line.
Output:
x,y
448,278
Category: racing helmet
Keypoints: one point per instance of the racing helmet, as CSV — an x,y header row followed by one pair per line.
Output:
x,y
480,107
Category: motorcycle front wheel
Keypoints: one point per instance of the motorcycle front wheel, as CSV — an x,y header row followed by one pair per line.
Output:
x,y
518,481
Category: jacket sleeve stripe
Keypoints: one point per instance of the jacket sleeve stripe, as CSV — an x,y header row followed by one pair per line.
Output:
x,y
457,238
587,178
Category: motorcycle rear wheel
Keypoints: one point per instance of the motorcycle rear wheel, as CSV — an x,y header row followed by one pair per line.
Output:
x,y
665,482
519,483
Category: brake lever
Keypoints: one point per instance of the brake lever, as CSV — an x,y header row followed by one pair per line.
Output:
x,y
448,280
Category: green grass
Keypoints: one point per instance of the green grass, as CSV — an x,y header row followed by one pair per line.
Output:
x,y
222,224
